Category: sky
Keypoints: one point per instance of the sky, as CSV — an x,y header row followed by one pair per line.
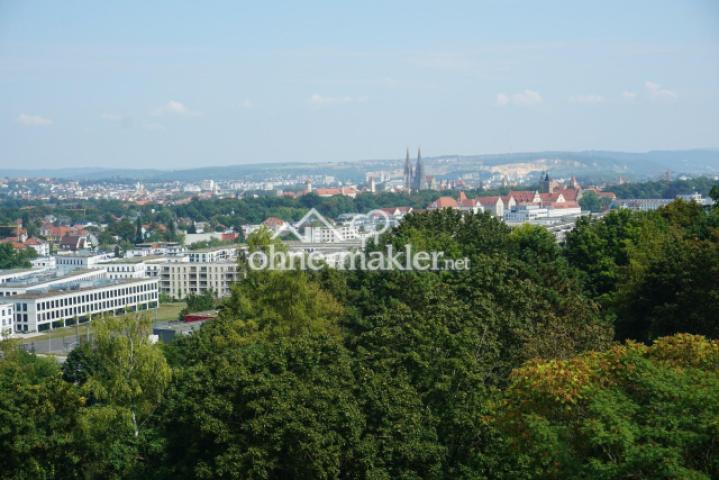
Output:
x,y
174,84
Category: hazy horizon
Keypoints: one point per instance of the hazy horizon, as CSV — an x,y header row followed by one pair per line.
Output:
x,y
178,85
351,161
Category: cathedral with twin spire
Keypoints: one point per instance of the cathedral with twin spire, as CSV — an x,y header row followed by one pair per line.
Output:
x,y
415,178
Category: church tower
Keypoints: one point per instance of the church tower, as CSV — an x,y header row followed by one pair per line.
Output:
x,y
408,178
420,182
545,185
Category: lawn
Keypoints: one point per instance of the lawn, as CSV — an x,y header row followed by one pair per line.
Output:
x,y
169,311
166,312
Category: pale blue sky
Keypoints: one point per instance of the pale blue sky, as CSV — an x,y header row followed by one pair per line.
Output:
x,y
172,84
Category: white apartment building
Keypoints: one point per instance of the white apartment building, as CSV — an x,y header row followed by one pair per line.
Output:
x,y
157,248
7,315
80,260
136,267
339,233
208,255
178,280
41,310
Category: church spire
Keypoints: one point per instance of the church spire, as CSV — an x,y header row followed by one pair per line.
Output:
x,y
407,172
419,178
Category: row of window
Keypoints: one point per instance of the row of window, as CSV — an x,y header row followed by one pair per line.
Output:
x,y
96,307
92,297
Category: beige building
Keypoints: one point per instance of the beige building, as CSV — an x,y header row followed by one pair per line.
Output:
x,y
180,279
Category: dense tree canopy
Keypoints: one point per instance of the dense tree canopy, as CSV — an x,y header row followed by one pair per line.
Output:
x,y
510,369
13,258
654,273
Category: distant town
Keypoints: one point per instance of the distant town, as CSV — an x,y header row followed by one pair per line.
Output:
x,y
71,264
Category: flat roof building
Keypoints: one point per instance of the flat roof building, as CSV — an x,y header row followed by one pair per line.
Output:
x,y
62,305
43,279
208,255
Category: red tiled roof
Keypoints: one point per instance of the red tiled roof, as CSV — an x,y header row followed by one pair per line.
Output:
x,y
488,200
549,197
522,196
445,202
12,241
273,222
569,194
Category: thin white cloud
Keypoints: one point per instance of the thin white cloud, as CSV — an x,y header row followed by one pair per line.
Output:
x,y
525,98
321,100
247,104
658,92
629,96
174,107
586,99
27,120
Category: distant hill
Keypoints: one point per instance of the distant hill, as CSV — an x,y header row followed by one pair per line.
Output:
x,y
596,164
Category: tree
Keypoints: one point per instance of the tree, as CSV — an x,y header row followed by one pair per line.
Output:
x,y
677,292
139,237
631,412
80,365
651,272
130,372
198,303
40,418
125,377
594,203
280,408
714,194
10,257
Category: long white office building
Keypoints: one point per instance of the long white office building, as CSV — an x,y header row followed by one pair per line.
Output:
x,y
45,279
60,306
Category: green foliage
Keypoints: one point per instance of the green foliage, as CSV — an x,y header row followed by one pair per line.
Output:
x,y
198,302
126,378
506,370
278,303
592,202
130,373
12,258
630,412
39,415
211,243
80,364
269,409
663,188
654,273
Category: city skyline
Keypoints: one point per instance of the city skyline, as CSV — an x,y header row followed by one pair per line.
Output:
x,y
176,85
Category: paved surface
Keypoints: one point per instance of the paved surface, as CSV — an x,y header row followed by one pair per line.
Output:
x,y
54,345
